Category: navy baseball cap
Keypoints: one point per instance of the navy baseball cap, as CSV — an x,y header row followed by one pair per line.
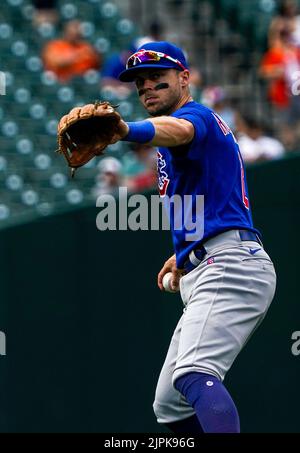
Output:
x,y
160,54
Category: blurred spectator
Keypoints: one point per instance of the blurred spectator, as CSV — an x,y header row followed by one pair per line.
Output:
x,y
45,12
287,19
177,4
109,178
71,55
142,170
280,67
196,82
254,143
112,67
116,62
216,98
156,33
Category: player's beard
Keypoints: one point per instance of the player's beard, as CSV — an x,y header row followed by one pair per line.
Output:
x,y
167,106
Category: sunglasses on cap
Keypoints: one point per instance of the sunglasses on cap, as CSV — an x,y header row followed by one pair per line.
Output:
x,y
149,56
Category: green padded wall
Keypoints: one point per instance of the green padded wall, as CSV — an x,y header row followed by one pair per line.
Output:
x,y
87,329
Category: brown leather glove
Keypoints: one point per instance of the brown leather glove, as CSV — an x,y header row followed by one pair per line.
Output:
x,y
86,131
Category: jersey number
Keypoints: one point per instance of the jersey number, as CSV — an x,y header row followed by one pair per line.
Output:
x,y
245,198
226,130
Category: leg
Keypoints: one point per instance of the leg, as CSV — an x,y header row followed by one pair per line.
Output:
x,y
211,401
226,302
189,425
170,407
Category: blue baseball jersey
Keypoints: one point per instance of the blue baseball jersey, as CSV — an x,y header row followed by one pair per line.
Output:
x,y
208,176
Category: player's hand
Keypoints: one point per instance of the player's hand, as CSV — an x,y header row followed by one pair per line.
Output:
x,y
170,266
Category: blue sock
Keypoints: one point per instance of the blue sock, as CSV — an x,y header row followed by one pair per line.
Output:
x,y
189,425
211,401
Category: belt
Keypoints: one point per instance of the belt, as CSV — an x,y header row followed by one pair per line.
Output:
x,y
198,254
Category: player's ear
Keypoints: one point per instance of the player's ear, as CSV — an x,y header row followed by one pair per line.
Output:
x,y
184,78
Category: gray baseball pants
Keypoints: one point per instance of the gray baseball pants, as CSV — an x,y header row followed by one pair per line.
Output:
x,y
225,299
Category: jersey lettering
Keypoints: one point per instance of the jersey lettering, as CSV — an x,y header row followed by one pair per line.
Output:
x,y
163,179
223,126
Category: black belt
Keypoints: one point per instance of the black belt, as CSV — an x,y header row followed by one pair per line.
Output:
x,y
200,251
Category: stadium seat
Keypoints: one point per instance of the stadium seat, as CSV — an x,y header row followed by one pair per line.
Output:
x,y
30,197
74,196
24,146
4,212
14,182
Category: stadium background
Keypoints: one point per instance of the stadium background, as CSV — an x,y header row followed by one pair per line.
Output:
x,y
86,327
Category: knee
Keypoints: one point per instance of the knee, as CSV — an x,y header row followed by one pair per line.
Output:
x,y
161,407
164,396
167,407
187,381
156,410
160,411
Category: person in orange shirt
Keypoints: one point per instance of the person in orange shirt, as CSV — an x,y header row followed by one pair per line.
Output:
x,y
288,18
70,56
278,66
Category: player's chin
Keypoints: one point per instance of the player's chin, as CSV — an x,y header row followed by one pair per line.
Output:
x,y
155,110
151,111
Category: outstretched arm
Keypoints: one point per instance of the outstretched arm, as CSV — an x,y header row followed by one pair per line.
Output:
x,y
170,131
160,131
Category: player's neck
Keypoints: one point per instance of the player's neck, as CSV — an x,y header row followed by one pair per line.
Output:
x,y
182,101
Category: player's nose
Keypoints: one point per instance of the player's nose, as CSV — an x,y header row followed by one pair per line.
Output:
x,y
145,89
148,85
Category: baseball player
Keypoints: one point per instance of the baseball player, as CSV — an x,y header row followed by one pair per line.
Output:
x,y
227,280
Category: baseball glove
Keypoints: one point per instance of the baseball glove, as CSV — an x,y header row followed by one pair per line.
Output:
x,y
85,132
